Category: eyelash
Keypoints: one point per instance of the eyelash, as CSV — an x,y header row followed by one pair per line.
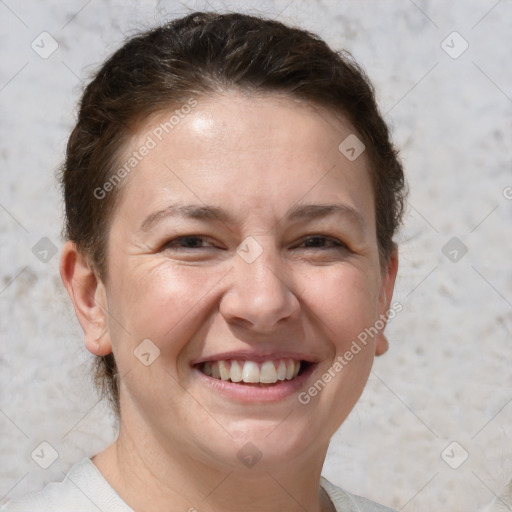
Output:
x,y
336,243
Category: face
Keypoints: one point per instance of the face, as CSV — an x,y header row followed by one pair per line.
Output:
x,y
244,247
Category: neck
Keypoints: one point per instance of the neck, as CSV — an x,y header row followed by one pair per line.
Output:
x,y
152,477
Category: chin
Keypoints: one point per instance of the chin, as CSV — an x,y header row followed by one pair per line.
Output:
x,y
278,442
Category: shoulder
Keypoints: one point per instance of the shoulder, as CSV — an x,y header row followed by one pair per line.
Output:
x,y
347,502
83,490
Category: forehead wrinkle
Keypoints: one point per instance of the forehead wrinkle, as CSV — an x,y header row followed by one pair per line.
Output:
x,y
213,213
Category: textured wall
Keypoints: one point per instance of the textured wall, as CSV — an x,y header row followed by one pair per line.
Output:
x,y
447,375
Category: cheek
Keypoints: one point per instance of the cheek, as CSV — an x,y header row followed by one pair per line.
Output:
x,y
346,300
346,304
168,305
162,303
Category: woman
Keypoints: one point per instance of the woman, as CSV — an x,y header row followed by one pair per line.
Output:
x,y
231,199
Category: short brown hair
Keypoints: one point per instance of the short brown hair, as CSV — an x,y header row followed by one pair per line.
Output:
x,y
196,55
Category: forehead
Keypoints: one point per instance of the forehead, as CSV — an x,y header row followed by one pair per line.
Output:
x,y
259,153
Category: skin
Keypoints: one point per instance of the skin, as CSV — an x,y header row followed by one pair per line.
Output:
x,y
256,157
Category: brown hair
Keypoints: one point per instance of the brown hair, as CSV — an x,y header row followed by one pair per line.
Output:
x,y
196,55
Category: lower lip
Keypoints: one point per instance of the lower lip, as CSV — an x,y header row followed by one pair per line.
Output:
x,y
253,393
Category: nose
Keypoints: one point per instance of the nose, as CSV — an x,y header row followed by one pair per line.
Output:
x,y
260,294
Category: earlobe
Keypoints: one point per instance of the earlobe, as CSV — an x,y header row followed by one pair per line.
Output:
x,y
386,294
87,293
382,344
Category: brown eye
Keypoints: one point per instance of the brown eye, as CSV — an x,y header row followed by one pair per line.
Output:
x,y
322,242
187,242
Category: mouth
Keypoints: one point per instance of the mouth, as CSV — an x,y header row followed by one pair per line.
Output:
x,y
256,373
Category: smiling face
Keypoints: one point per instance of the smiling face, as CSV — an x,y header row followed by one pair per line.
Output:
x,y
244,248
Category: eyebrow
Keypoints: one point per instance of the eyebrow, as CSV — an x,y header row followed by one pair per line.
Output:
x,y
214,213
318,211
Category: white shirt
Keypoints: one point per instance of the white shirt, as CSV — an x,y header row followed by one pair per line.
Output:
x,y
85,490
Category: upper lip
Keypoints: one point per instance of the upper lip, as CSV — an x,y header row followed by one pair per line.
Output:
x,y
257,357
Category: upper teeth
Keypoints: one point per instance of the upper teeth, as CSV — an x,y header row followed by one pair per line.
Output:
x,y
250,371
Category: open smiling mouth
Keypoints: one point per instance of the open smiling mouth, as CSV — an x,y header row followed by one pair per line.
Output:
x,y
267,373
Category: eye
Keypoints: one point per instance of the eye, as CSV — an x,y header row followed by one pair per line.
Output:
x,y
192,242
188,242
322,242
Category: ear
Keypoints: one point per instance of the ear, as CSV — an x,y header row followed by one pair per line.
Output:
x,y
88,294
386,294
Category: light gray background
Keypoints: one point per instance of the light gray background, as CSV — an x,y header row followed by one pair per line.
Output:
x,y
447,375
